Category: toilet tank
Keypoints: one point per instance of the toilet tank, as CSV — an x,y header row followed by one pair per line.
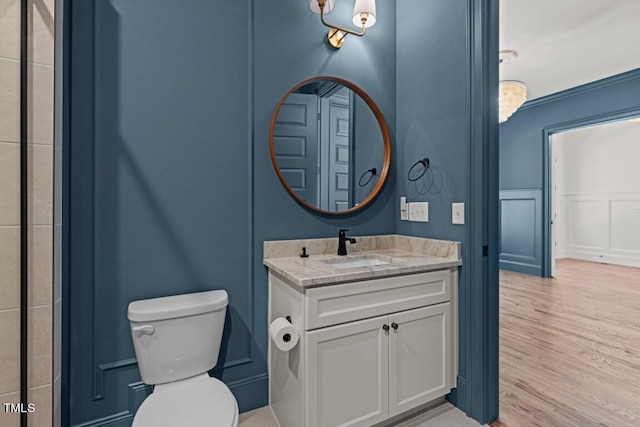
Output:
x,y
177,337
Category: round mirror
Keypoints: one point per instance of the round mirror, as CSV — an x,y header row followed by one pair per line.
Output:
x,y
330,145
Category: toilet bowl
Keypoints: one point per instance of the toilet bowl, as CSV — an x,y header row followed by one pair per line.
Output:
x,y
202,401
177,341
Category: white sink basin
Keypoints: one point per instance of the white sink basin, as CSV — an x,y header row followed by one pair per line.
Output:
x,y
358,261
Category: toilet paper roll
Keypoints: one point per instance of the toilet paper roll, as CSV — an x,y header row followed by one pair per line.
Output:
x,y
284,334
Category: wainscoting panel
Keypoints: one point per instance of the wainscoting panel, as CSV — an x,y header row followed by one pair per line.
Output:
x,y
587,225
625,225
521,222
600,227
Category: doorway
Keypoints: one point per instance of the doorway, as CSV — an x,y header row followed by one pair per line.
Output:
x,y
595,194
568,349
592,200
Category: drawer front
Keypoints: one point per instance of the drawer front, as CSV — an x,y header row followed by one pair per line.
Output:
x,y
335,304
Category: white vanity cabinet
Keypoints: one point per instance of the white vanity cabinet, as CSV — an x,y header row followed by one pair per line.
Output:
x,y
369,350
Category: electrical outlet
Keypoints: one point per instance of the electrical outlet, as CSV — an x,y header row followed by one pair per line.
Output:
x,y
457,213
419,211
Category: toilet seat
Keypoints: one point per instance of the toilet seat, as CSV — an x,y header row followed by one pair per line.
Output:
x,y
200,402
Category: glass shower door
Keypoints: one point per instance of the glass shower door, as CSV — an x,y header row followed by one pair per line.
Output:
x,y
29,370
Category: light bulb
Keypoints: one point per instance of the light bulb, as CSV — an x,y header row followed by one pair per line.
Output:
x,y
367,7
328,6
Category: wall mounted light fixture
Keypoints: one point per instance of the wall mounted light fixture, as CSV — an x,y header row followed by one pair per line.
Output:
x,y
364,16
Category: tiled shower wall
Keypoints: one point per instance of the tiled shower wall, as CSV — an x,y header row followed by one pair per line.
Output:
x,y
9,208
44,299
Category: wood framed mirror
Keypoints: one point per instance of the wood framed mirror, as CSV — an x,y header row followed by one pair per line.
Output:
x,y
330,145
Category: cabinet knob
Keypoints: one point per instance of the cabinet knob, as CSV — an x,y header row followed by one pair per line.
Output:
x,y
394,326
386,328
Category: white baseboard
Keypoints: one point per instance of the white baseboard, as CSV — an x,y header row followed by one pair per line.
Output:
x,y
631,261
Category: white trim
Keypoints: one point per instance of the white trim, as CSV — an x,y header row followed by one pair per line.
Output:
x,y
605,259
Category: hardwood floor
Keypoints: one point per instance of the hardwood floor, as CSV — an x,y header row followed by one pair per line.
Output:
x,y
570,347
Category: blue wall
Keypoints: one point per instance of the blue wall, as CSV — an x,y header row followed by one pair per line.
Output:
x,y
432,56
522,162
445,90
171,187
171,184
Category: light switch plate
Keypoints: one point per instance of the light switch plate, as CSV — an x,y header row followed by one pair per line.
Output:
x,y
419,211
457,213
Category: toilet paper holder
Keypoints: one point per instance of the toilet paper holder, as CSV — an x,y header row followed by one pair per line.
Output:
x,y
284,333
287,337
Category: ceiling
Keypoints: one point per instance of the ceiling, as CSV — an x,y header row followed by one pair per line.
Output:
x,y
567,43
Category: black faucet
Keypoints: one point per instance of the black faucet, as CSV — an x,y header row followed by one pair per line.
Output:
x,y
342,242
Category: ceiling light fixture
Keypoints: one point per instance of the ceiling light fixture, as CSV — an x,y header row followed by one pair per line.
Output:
x,y
513,93
635,120
364,16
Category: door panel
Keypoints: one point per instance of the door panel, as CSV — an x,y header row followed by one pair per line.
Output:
x,y
336,136
347,374
295,141
419,359
339,149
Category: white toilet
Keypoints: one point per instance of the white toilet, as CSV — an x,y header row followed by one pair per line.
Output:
x,y
177,340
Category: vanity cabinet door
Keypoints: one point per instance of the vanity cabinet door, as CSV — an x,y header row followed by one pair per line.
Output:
x,y
347,374
419,356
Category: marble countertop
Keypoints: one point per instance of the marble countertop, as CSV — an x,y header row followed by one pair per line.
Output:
x,y
401,256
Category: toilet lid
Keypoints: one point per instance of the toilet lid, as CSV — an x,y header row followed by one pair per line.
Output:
x,y
197,403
